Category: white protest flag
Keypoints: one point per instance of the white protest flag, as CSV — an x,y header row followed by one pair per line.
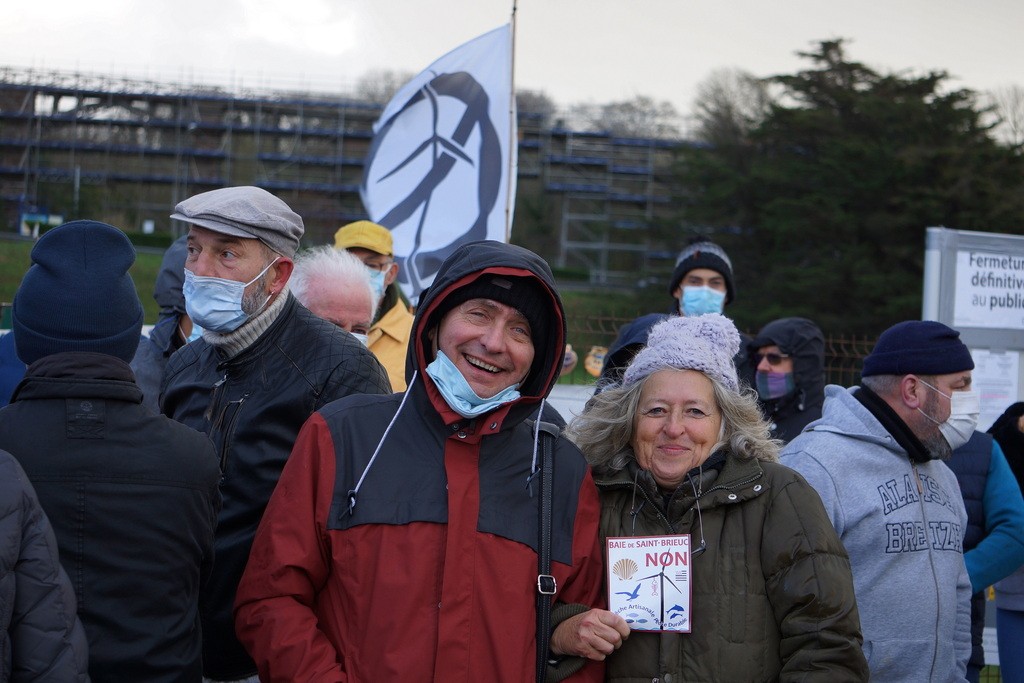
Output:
x,y
441,168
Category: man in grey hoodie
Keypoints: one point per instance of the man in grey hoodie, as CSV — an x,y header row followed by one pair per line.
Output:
x,y
875,457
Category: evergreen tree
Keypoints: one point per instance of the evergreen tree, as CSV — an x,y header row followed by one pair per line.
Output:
x,y
824,203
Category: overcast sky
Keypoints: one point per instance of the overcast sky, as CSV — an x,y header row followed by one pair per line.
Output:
x,y
576,51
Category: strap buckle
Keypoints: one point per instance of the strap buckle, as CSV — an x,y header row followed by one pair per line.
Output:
x,y
546,584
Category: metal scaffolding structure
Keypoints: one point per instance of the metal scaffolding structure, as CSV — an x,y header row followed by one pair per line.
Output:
x,y
126,151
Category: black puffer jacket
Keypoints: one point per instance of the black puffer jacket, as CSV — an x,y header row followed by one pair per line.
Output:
x,y
132,498
41,638
252,406
804,342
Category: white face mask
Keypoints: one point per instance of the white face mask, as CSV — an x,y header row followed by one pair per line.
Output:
x,y
964,408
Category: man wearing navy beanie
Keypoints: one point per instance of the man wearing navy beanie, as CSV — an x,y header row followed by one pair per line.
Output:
x,y
876,459
132,496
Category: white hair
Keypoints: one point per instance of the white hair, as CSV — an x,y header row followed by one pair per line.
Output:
x,y
326,266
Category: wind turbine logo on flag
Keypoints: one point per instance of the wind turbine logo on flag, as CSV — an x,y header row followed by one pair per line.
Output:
x,y
437,172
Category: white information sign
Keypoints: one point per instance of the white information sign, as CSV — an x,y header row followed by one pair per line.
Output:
x,y
649,582
989,290
995,378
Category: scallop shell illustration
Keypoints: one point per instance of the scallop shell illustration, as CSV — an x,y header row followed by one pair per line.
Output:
x,y
624,568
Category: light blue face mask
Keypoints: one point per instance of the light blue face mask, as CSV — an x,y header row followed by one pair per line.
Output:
x,y
697,301
457,392
377,282
363,339
214,303
197,332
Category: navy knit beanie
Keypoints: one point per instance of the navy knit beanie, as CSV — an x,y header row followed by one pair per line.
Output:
x,y
918,347
77,295
703,254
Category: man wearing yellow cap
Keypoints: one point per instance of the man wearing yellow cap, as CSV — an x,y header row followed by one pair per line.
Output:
x,y
389,336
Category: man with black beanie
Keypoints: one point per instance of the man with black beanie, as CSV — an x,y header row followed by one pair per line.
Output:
x,y
131,495
401,542
876,459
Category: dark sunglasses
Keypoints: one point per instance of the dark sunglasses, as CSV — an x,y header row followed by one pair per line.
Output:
x,y
772,358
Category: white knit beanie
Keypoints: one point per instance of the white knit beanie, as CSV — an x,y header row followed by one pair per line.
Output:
x,y
705,343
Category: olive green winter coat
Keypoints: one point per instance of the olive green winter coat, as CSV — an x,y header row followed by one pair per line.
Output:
x,y
772,594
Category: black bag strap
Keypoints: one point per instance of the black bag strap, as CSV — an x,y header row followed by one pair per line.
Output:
x,y
546,585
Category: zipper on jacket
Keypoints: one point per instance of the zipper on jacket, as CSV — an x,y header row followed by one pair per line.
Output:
x,y
931,561
229,429
215,414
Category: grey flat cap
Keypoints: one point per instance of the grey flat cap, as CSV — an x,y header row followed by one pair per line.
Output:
x,y
247,211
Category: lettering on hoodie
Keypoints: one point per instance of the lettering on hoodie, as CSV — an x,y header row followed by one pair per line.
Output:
x,y
916,535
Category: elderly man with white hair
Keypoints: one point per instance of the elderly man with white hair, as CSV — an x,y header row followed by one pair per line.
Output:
x,y
335,286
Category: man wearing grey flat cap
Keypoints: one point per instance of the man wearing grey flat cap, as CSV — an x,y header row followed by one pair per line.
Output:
x,y
263,365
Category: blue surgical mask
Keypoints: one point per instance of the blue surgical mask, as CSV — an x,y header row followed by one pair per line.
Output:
x,y
457,392
215,303
197,332
697,301
377,282
772,385
363,339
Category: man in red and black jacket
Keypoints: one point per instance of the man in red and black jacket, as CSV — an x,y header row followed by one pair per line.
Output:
x,y
401,541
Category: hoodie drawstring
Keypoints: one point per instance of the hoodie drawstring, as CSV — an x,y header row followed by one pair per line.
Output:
x,y
355,492
536,441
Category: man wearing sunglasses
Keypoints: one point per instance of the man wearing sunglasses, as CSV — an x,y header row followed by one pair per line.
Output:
x,y
876,459
788,356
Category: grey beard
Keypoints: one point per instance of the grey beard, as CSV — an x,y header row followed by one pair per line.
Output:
x,y
251,301
937,445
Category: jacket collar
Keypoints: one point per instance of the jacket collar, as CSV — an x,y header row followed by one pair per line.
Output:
x,y
271,325
735,482
892,423
79,375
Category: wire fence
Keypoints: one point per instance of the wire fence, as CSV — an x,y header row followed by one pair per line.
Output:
x,y
844,355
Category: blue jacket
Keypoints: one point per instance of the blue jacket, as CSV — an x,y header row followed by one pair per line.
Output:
x,y
995,510
1010,591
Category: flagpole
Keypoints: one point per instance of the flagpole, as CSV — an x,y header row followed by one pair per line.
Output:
x,y
511,130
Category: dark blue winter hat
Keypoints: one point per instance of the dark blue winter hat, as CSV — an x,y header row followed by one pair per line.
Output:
x,y
918,347
77,295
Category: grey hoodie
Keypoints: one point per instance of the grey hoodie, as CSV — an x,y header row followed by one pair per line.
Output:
x,y
902,524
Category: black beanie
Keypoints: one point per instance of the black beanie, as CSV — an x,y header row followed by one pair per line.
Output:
x,y
77,295
525,294
703,254
918,347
